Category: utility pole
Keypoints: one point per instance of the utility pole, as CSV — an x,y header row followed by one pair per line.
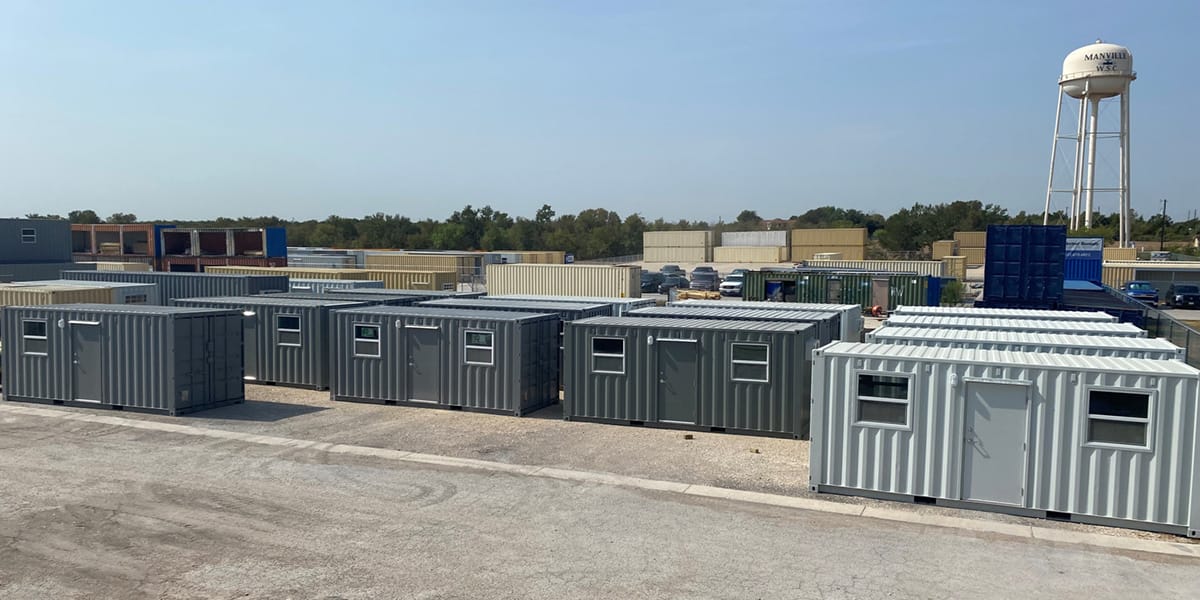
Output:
x,y
1162,231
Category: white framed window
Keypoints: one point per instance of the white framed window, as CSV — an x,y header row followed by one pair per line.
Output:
x,y
750,362
366,340
479,348
33,338
1119,418
28,235
883,400
608,355
287,330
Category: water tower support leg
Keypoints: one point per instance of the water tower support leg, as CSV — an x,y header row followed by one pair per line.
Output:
x,y
1053,154
1093,122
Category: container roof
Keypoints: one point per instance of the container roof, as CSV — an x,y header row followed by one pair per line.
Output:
x,y
453,313
1019,313
575,299
534,305
770,305
1048,325
272,300
752,314
1001,358
78,283
669,323
125,309
44,288
1022,337
153,274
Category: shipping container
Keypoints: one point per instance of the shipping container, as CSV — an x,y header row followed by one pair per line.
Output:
x,y
415,295
38,293
131,239
116,266
121,293
353,296
286,339
320,285
849,236
1120,254
201,264
619,306
750,254
970,239
1083,259
10,272
1023,341
678,239
34,241
775,238
717,375
1161,273
944,248
920,267
482,360
435,281
322,261
975,256
268,241
568,280
1033,325
954,267
799,253
865,288
828,324
190,285
1006,313
677,255
850,315
297,272
168,359
828,256
1102,440
1025,264
463,264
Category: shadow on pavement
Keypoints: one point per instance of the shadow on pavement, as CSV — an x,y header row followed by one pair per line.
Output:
x,y
257,410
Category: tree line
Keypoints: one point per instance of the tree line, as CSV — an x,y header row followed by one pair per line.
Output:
x,y
600,233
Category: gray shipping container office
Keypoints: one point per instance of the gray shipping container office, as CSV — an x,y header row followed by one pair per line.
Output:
x,y
156,358
1030,325
620,306
827,324
190,285
417,294
1006,313
286,339
851,314
320,285
480,360
35,241
1111,441
720,375
21,272
123,293
353,296
1024,341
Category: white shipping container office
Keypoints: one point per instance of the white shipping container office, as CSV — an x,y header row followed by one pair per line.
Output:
x,y
1006,313
1024,341
1030,325
1102,440
852,317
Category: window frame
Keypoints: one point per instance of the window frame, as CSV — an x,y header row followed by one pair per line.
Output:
x,y
491,347
1148,422
299,330
354,340
907,402
29,235
765,364
593,354
137,299
45,337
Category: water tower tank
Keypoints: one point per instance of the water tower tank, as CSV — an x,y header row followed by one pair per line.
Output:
x,y
1097,70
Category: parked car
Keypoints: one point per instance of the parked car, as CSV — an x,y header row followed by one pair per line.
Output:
x,y
1142,291
705,280
739,271
1183,295
732,285
673,281
651,281
673,270
704,269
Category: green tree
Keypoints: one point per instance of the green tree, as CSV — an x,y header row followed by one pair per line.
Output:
x,y
84,217
121,218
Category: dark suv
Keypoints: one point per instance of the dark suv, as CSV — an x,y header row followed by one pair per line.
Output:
x,y
1183,295
651,281
1142,291
673,281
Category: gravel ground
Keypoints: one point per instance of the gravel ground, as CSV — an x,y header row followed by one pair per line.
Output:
x,y
759,464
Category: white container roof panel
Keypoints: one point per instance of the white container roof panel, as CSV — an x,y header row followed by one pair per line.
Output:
x,y
1006,313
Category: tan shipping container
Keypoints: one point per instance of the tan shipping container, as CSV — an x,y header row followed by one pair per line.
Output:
x,y
944,248
17,294
849,236
565,280
750,254
971,239
118,266
954,266
1120,254
799,253
296,272
539,257
974,256
677,255
828,256
678,239
466,263
395,279
920,267
1115,276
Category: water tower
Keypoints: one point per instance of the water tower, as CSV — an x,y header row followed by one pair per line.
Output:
x,y
1095,72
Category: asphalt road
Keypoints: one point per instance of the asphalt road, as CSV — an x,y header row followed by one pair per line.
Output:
x,y
92,510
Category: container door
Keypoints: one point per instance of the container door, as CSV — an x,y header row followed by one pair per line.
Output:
x,y
87,362
250,345
879,292
424,351
678,384
994,443
833,291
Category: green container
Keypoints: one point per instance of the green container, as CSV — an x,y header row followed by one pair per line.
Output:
x,y
785,286
907,290
856,289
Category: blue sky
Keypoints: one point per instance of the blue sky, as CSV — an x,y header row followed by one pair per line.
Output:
x,y
676,109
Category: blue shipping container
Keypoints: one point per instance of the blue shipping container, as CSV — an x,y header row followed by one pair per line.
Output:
x,y
1084,259
1024,264
158,246
276,242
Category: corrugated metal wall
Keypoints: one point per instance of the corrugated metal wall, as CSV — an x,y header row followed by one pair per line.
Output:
x,y
320,285
750,254
799,252
155,358
828,324
298,272
678,239
851,314
120,293
676,255
1120,254
50,241
190,285
523,378
920,267
1020,341
119,266
18,294
755,238
619,305
1063,472
944,248
971,239
10,272
566,280
1006,313
779,406
1034,325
